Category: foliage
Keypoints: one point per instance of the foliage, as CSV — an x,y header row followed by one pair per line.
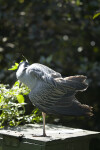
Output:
x,y
12,104
14,67
96,15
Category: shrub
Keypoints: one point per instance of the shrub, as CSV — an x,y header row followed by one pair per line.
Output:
x,y
12,106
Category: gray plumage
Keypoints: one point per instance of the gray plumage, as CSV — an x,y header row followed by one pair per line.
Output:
x,y
52,93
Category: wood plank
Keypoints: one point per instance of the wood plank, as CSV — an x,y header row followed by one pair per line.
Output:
x,y
59,137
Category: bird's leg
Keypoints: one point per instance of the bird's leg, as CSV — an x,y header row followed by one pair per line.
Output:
x,y
44,133
43,115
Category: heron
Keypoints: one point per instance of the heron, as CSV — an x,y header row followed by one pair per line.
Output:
x,y
52,93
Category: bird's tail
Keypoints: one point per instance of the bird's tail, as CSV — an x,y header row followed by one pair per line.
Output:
x,y
75,108
87,110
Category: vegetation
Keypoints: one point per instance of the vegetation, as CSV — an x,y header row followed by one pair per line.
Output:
x,y
61,34
96,15
12,106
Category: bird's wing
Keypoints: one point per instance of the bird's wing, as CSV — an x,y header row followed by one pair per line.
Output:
x,y
45,70
76,83
48,70
57,95
43,73
56,100
46,96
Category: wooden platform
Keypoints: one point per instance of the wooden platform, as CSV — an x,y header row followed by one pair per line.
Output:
x,y
59,138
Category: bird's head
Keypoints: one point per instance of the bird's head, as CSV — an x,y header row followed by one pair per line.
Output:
x,y
22,69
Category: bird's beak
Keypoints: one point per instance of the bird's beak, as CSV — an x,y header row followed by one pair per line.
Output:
x,y
20,84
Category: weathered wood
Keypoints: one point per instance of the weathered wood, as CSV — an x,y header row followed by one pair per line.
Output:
x,y
59,137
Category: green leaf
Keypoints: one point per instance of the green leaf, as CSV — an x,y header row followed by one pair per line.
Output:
x,y
1,126
14,67
20,98
16,83
96,15
21,61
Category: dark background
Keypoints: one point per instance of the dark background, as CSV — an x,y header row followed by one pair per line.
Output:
x,y
60,34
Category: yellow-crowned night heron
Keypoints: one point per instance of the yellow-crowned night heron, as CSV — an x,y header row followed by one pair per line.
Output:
x,y
52,93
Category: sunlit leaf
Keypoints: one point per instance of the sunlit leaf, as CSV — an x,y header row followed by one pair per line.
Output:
x,y
96,15
14,67
1,127
20,98
21,61
16,83
0,99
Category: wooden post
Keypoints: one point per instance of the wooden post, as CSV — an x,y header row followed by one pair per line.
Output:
x,y
58,138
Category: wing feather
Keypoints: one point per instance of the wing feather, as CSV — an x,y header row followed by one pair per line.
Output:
x,y
46,96
56,100
74,82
